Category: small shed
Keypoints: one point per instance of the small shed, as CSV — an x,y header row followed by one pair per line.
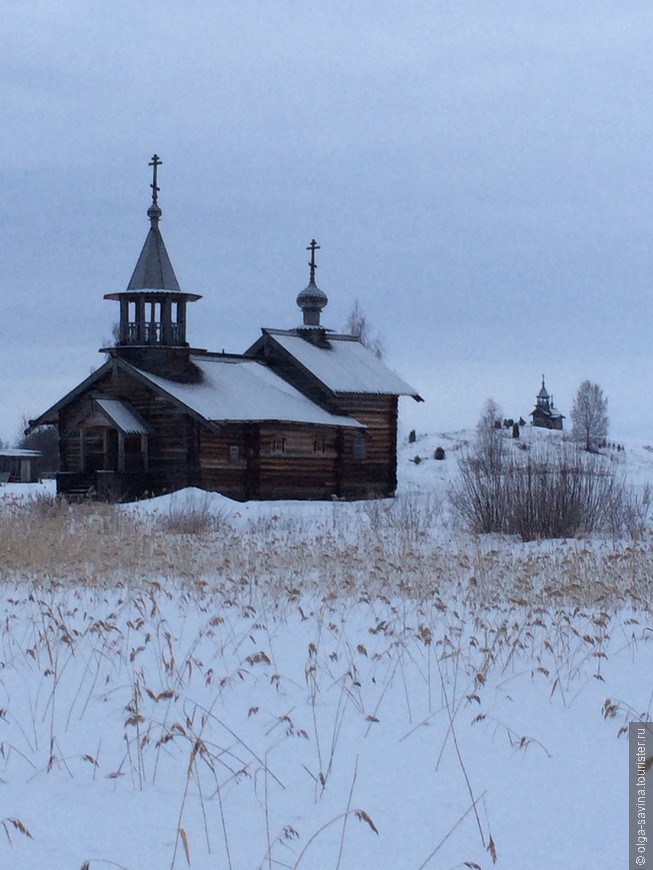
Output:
x,y
18,466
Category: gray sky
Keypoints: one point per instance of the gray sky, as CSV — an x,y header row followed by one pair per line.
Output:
x,y
478,175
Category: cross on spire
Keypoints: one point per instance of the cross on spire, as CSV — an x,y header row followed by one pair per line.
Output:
x,y
155,162
313,247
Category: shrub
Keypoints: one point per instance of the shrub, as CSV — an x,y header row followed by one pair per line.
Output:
x,y
541,493
439,453
191,518
412,437
553,496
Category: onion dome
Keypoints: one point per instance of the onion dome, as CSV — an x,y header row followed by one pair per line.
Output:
x,y
312,300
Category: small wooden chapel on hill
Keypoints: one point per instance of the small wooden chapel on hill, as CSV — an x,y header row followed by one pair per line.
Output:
x,y
545,414
303,413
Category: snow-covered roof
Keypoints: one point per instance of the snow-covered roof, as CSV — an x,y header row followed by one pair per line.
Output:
x,y
20,453
122,416
240,390
551,412
345,366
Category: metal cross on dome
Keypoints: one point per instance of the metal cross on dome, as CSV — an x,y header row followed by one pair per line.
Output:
x,y
313,247
155,162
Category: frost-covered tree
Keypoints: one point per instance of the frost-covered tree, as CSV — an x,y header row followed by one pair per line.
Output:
x,y
358,325
45,439
589,416
489,440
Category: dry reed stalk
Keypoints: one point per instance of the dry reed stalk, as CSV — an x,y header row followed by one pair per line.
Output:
x,y
344,821
361,815
450,832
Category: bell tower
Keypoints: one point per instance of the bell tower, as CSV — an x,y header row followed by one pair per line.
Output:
x,y
544,400
152,327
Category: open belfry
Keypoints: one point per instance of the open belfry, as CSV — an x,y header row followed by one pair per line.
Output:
x,y
303,413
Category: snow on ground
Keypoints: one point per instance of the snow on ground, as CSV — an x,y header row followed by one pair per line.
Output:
x,y
364,712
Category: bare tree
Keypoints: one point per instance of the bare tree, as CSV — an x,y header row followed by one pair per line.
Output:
x,y
489,439
589,416
358,325
490,419
478,493
43,438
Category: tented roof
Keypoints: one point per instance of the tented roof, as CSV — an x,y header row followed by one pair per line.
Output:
x,y
153,269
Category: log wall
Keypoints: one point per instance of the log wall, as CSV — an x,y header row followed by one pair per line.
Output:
x,y
376,473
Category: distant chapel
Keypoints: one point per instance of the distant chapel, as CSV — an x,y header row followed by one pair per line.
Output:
x,y
303,413
545,413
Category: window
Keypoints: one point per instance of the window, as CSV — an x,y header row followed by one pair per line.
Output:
x,y
278,445
234,453
359,448
319,445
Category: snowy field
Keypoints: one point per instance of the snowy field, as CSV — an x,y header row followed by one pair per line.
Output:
x,y
192,682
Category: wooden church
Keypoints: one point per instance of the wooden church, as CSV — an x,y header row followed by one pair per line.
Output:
x,y
303,413
545,414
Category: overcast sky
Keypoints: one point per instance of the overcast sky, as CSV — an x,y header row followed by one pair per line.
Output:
x,y
478,175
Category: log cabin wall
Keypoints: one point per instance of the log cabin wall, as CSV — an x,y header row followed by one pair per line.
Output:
x,y
271,461
375,472
225,460
298,461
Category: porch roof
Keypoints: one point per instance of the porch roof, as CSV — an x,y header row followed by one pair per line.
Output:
x,y
121,416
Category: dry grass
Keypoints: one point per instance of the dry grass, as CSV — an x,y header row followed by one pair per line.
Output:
x,y
175,690
391,549
177,625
